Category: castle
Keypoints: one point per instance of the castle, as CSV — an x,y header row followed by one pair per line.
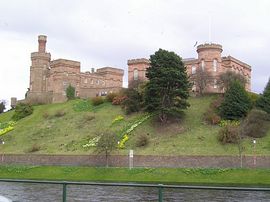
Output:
x,y
50,78
209,61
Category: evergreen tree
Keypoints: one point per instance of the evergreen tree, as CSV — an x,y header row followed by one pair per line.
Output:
x,y
2,106
167,91
263,102
70,92
236,102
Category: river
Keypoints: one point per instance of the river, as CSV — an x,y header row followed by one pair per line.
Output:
x,y
22,192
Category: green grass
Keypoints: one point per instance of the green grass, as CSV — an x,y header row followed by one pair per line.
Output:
x,y
237,177
81,122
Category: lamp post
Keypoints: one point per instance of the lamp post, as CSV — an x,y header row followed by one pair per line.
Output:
x,y
254,152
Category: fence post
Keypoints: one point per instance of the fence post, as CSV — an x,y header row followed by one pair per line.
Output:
x,y
64,192
160,194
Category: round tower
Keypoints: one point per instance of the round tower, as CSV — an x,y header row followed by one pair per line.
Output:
x,y
209,51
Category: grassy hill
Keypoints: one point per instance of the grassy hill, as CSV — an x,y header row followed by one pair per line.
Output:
x,y
64,129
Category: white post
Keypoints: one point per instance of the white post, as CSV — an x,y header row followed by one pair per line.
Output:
x,y
130,159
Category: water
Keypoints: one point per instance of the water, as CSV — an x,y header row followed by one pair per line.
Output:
x,y
24,192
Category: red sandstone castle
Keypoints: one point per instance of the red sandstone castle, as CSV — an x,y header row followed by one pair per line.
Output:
x,y
50,78
209,61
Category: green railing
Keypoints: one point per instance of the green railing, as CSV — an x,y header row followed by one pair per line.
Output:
x,y
159,187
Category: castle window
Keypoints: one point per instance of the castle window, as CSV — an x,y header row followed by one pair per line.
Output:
x,y
203,65
214,65
85,80
92,81
135,74
193,70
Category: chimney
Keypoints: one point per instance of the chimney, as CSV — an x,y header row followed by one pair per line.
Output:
x,y
42,39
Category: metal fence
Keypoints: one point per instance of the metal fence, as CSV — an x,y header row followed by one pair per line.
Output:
x,y
159,187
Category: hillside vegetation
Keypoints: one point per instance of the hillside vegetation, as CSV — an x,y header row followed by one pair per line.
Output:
x,y
67,127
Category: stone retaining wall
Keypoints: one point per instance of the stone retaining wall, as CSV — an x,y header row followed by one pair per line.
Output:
x,y
138,161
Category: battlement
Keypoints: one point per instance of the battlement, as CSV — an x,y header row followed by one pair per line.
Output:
x,y
66,63
110,70
138,61
207,46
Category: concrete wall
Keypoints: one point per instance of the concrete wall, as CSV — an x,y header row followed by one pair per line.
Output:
x,y
139,161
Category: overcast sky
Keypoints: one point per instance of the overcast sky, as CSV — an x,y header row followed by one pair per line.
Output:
x,y
109,32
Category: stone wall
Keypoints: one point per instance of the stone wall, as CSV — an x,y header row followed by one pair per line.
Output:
x,y
139,161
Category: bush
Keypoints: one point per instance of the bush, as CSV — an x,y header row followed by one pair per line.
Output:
x,y
142,140
70,92
22,110
253,97
256,124
45,115
34,148
60,113
111,96
211,117
236,102
229,134
133,101
119,99
97,101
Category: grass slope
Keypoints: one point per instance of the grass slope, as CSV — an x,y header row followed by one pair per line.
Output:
x,y
49,132
229,177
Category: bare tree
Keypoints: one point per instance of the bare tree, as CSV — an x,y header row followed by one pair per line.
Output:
x,y
201,79
106,144
228,77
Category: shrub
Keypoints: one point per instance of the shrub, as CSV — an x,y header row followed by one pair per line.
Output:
x,y
34,148
256,124
211,117
22,110
60,113
45,115
111,96
133,101
119,99
236,102
70,92
142,140
97,101
253,97
229,134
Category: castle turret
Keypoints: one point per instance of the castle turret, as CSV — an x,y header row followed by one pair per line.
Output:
x,y
40,66
42,43
137,70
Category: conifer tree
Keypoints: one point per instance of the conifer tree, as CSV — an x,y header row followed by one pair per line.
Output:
x,y
236,102
167,91
263,102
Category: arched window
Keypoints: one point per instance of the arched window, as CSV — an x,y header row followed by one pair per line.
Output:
x,y
135,74
193,70
214,65
203,65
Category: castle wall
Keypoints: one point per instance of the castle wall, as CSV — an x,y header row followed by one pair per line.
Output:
x,y
209,61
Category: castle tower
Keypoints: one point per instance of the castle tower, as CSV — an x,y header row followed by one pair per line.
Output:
x,y
137,70
210,61
40,67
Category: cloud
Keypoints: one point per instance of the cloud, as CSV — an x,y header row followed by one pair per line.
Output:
x,y
108,33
